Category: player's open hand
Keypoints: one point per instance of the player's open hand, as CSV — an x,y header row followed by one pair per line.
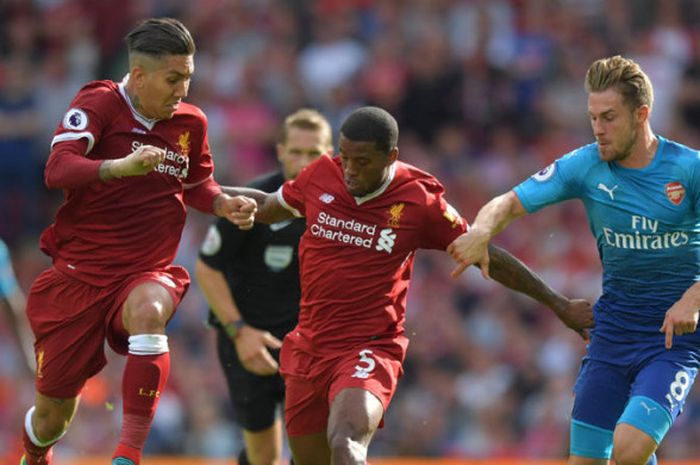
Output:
x,y
252,345
141,161
239,210
577,314
681,318
470,248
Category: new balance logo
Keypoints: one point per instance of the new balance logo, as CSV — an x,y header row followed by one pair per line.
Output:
x,y
386,241
326,198
605,188
649,409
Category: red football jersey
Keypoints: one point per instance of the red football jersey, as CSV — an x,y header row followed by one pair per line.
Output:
x,y
357,254
106,230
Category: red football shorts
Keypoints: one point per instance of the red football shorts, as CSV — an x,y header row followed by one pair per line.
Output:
x,y
71,320
312,382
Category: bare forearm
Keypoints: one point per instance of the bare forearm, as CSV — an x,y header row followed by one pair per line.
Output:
x,y
497,214
514,274
692,295
269,209
256,194
217,293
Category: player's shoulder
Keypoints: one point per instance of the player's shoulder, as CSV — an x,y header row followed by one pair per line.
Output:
x,y
415,179
100,91
325,163
268,182
584,155
681,152
186,109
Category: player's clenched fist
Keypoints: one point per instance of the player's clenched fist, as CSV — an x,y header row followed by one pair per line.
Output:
x,y
239,210
141,161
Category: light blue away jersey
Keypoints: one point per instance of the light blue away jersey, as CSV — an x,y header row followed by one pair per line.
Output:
x,y
8,284
647,228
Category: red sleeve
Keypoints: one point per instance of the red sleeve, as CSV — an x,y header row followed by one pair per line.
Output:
x,y
443,222
67,167
202,195
291,194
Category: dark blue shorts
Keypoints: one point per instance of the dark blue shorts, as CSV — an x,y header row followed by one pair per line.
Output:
x,y
649,395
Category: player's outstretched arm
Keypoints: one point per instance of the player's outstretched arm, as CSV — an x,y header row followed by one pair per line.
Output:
x,y
251,343
576,314
472,247
682,317
270,210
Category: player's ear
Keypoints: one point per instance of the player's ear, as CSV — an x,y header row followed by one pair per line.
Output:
x,y
137,75
393,155
643,113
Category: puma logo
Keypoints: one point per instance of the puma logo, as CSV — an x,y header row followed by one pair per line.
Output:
x,y
605,188
644,404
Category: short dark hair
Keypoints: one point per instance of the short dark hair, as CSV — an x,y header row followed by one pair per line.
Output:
x,y
160,36
372,124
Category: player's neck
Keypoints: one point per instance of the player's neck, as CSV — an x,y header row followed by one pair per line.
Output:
x,y
643,151
135,100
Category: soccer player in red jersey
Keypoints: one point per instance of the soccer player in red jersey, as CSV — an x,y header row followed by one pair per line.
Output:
x,y
366,213
130,156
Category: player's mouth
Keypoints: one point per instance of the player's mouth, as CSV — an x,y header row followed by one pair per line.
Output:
x,y
351,184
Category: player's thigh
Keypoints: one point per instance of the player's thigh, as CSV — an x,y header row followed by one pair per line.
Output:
x,y
355,414
145,303
256,399
631,445
657,397
310,449
264,446
67,317
602,391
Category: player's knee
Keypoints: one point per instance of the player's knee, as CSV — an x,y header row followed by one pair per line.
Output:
x,y
147,316
629,448
348,440
630,456
49,425
342,445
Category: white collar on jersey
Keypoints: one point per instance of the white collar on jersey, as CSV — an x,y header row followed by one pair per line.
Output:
x,y
382,188
149,123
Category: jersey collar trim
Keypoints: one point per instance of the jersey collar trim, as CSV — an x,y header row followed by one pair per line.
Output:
x,y
149,123
382,188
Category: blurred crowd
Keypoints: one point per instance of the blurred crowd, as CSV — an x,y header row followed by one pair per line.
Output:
x,y
486,92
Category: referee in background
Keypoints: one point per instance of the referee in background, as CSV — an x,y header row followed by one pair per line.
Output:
x,y
250,280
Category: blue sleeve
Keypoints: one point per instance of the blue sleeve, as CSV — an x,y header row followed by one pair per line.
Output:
x,y
555,183
8,283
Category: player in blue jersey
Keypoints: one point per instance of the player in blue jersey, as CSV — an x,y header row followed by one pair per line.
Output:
x,y
642,196
12,303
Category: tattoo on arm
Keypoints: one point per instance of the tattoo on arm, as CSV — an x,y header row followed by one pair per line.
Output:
x,y
105,171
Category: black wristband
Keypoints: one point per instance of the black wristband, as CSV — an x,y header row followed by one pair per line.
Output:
x,y
234,327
